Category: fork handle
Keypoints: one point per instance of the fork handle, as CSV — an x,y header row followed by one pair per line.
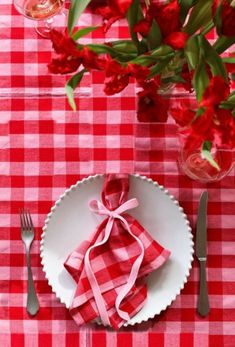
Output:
x,y
203,306
32,300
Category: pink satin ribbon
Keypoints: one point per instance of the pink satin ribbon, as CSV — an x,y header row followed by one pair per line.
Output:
x,y
99,208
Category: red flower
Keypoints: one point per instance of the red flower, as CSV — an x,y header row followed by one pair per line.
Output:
x,y
115,10
70,56
167,16
224,129
183,116
227,25
176,40
214,125
140,73
187,76
91,60
216,92
63,44
151,106
64,65
116,84
120,7
143,27
200,130
117,77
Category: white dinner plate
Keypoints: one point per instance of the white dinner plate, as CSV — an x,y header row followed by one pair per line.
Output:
x,y
71,221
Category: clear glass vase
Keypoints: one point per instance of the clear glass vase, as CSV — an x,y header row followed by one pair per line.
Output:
x,y
195,166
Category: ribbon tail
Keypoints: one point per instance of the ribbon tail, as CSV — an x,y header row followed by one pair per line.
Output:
x,y
92,279
133,275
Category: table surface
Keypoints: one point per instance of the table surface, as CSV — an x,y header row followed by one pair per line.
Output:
x,y
45,147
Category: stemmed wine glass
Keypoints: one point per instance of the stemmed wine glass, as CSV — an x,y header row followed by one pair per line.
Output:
x,y
42,11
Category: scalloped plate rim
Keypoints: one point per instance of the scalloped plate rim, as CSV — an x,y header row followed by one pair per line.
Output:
x,y
93,177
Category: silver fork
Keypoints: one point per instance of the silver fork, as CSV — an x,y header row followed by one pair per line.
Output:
x,y
27,235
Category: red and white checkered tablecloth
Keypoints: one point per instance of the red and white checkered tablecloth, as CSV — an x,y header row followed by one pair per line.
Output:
x,y
45,147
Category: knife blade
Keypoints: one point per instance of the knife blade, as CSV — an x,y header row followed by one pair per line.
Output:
x,y
203,306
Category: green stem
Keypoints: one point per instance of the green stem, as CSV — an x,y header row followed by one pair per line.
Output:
x,y
207,28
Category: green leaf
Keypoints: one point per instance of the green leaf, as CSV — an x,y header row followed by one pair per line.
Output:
x,y
185,6
134,15
229,60
159,67
200,112
191,51
206,153
75,10
113,52
162,51
231,97
229,103
173,79
200,16
83,32
223,43
200,80
124,46
213,59
101,48
71,86
143,60
218,18
207,28
154,37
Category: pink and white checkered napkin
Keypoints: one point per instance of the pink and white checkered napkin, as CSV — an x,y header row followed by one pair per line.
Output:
x,y
110,268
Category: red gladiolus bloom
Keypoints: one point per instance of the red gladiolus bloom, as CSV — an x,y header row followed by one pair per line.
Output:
x,y
64,65
70,56
216,92
224,129
200,130
116,84
108,16
151,106
63,44
120,6
167,16
227,17
183,116
176,40
143,27
140,73
187,76
115,10
91,60
117,77
112,67
214,125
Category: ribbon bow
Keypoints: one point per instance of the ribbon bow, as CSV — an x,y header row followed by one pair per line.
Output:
x,y
98,208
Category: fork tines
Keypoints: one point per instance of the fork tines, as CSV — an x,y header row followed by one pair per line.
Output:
x,y
25,220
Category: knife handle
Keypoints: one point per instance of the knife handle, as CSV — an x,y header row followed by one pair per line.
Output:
x,y
203,306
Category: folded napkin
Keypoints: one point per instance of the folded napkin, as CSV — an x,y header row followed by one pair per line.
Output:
x,y
110,267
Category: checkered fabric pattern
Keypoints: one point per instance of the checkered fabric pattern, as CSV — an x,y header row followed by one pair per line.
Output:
x,y
44,148
113,261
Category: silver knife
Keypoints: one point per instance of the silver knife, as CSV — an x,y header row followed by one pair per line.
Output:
x,y
203,306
